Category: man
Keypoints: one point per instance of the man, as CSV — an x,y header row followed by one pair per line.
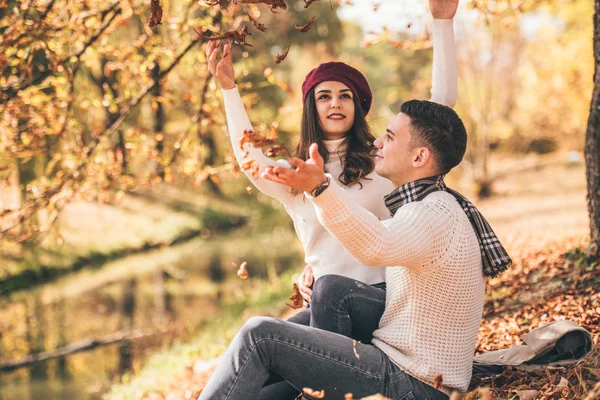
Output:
x,y
435,277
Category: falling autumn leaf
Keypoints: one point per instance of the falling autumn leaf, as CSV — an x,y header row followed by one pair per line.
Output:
x,y
256,140
315,394
280,57
238,37
306,27
307,3
276,151
257,25
242,271
296,298
354,348
156,13
438,381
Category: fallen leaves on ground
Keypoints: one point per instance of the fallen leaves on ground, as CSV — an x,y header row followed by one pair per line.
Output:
x,y
543,285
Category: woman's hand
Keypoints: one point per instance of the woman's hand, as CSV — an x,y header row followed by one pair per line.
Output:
x,y
443,9
305,281
222,69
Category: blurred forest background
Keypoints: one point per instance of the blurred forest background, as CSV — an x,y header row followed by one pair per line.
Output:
x,y
123,216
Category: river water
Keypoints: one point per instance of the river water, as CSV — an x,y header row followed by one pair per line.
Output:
x,y
166,294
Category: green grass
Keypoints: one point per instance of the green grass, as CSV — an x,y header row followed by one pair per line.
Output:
x,y
211,339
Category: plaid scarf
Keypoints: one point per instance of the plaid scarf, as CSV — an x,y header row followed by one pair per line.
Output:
x,y
494,257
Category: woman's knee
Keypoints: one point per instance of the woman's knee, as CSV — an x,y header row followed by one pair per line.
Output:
x,y
331,288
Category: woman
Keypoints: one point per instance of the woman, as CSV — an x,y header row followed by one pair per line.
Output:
x,y
336,99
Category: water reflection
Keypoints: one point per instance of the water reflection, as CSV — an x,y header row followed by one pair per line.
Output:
x,y
126,324
166,293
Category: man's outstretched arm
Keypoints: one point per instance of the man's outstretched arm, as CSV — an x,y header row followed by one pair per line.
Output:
x,y
403,240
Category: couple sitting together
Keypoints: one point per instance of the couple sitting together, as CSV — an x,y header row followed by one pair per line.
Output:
x,y
398,260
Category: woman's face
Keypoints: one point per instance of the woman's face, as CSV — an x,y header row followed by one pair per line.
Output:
x,y
335,108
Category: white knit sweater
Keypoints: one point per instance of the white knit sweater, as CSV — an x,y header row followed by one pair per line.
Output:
x,y
322,252
435,283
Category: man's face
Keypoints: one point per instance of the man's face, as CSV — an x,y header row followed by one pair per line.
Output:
x,y
394,155
335,107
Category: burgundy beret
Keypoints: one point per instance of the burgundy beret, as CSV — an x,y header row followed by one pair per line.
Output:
x,y
340,72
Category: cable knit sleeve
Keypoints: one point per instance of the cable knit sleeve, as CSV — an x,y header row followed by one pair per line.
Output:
x,y
444,80
237,122
413,237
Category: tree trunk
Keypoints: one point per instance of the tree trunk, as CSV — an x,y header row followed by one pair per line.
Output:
x,y
159,118
592,142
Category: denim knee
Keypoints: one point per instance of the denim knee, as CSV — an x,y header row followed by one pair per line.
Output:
x,y
257,327
331,289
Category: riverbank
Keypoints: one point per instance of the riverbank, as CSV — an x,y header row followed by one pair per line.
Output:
x,y
89,235
176,365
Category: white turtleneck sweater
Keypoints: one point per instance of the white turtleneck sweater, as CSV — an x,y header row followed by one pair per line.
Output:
x,y
322,251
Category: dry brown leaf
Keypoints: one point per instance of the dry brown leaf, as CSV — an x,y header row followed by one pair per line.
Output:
x,y
354,348
238,37
305,28
296,298
242,271
255,140
528,394
276,151
274,5
315,394
156,13
280,57
257,25
438,381
307,3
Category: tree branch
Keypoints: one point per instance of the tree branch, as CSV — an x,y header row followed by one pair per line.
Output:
x,y
11,92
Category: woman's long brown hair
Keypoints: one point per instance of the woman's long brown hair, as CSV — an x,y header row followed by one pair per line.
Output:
x,y
357,162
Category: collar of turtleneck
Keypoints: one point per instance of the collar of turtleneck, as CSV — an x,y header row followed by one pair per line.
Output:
x,y
335,147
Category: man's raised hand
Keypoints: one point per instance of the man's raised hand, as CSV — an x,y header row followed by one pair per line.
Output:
x,y
222,69
307,175
443,9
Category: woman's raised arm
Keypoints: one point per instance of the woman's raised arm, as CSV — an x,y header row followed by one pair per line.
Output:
x,y
237,118
444,87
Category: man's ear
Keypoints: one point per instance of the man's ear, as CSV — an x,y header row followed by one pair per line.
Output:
x,y
421,156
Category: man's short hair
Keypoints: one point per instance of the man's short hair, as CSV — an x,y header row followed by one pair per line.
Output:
x,y
438,128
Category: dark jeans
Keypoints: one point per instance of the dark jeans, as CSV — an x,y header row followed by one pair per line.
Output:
x,y
325,291
308,357
347,306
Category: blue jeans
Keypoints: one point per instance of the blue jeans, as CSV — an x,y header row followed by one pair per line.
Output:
x,y
367,309
308,357
347,306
